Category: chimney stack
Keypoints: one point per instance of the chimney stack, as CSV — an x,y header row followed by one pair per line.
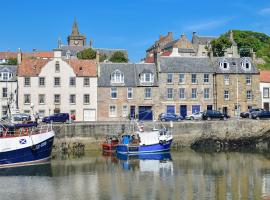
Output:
x,y
19,56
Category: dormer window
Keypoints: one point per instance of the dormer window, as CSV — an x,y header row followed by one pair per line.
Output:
x,y
117,77
224,65
147,78
245,64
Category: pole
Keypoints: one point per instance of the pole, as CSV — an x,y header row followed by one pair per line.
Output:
x,y
237,93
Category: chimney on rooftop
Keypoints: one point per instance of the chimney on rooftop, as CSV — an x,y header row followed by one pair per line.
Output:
x,y
19,56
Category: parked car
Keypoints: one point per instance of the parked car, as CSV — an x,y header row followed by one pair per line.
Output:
x,y
57,117
170,117
213,114
248,113
260,115
196,116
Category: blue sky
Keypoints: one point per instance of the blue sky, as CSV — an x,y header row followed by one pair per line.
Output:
x,y
130,24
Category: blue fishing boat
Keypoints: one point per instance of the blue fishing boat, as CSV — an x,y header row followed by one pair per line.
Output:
x,y
141,141
25,144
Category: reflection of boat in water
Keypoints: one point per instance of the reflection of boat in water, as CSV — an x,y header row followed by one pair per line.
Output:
x,y
33,170
154,162
141,141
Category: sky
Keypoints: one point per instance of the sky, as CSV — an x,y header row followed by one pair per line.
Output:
x,y
127,24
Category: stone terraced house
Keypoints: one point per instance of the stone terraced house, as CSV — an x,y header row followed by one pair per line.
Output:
x,y
127,90
58,85
265,89
185,84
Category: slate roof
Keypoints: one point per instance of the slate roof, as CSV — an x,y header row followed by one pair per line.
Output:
x,y
234,66
75,49
185,65
9,68
202,40
130,71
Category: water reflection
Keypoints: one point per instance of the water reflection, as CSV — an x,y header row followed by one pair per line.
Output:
x,y
175,175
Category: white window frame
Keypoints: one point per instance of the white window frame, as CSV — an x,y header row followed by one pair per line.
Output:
x,y
206,78
39,81
226,79
59,100
170,78
194,79
54,81
129,92
147,78
182,91
39,99
4,92
112,114
72,81
206,93
249,95
248,79
117,77
72,99
226,95
57,66
181,78
84,98
147,93
264,90
27,96
27,81
170,93
114,90
194,92
88,81
125,110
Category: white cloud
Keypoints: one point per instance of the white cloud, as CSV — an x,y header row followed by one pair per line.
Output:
x,y
264,11
206,25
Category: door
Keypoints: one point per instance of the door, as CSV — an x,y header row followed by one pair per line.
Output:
x,y
225,110
183,110
196,108
132,112
171,109
89,115
145,113
266,106
209,107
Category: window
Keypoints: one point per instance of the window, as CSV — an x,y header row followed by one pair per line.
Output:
x,y
169,78
72,81
224,65
182,93
117,77
249,95
206,78
57,66
5,76
194,93
4,93
245,64
265,92
27,99
86,82
226,95
86,98
181,78
130,93
169,93
41,113
248,80
57,82
114,93
57,99
27,82
226,79
72,99
147,78
206,93
41,81
124,111
147,93
4,111
26,111
193,78
41,98
112,111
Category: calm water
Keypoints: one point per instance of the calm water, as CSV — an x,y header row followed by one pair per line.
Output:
x,y
179,175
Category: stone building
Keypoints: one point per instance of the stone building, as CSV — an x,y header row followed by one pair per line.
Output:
x,y
78,42
58,85
127,90
185,84
201,44
265,88
236,85
8,88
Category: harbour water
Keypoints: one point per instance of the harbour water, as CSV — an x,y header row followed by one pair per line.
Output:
x,y
181,174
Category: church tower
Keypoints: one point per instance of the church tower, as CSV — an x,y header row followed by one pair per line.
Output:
x,y
76,39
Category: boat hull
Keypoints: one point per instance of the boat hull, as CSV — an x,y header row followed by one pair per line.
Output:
x,y
129,149
39,151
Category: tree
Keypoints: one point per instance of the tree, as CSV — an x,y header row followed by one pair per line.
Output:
x,y
220,44
119,57
12,61
87,54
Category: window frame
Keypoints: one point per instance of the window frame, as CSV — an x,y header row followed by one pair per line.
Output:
x,y
114,92
264,96
115,111
147,93
39,98
169,78
169,93
27,81
129,91
182,91
84,97
226,95
194,79
194,91
39,81
54,81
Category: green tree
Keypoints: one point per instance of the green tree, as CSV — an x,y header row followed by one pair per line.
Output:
x,y
119,57
87,54
220,44
12,61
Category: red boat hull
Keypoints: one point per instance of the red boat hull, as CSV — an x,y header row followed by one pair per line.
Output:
x,y
109,147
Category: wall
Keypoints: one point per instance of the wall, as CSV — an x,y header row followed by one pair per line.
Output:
x,y
11,89
266,99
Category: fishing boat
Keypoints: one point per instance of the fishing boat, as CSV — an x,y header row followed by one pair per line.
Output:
x,y
110,143
141,141
25,144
